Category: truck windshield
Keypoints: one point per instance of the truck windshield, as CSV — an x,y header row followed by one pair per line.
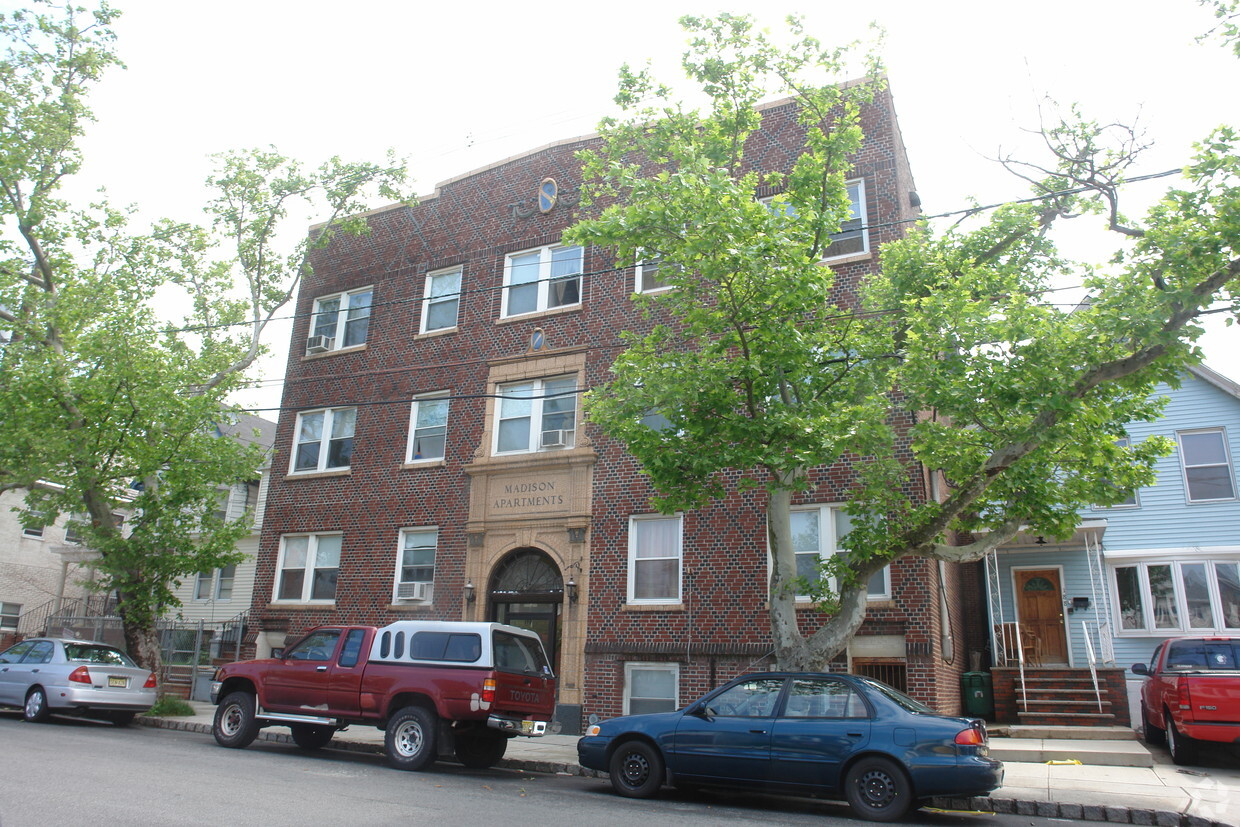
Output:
x,y
519,654
1188,655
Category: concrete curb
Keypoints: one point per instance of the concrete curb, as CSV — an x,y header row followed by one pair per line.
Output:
x,y
1044,809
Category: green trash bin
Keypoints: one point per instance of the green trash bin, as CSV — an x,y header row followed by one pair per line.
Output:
x,y
979,696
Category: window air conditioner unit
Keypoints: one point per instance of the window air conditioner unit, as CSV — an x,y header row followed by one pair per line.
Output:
x,y
414,591
318,344
557,439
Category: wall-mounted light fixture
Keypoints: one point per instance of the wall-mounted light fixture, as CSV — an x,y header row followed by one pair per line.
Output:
x,y
571,589
469,591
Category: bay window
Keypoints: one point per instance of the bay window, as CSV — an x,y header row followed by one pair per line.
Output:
x,y
1177,596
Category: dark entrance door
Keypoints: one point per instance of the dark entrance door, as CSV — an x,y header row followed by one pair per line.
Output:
x,y
528,591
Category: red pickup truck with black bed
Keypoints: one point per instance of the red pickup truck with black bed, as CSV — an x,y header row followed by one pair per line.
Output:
x,y
1193,694
436,688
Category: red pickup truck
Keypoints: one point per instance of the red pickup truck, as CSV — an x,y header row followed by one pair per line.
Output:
x,y
437,688
1193,694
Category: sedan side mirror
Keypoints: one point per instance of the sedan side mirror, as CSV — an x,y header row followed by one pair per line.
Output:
x,y
1140,669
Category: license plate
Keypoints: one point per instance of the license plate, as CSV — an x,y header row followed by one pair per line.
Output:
x,y
527,726
118,680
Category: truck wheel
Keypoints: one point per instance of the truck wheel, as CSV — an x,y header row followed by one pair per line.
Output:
x,y
410,738
1151,734
636,770
1183,750
311,736
482,749
235,725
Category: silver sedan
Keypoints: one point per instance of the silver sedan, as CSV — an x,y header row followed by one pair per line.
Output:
x,y
74,677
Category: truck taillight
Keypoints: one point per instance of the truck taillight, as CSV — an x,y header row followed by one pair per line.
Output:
x,y
488,691
150,681
80,675
1182,696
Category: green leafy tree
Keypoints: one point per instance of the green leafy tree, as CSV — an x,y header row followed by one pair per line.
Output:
x,y
110,408
763,373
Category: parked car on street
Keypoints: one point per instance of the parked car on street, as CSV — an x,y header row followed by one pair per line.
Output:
x,y
832,735
74,677
1193,694
437,688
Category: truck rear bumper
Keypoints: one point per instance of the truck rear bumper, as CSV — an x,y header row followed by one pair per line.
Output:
x,y
517,726
1226,733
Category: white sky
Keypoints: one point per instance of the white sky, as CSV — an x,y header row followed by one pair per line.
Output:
x,y
455,86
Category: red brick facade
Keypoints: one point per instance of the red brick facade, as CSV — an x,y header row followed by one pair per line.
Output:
x,y
720,628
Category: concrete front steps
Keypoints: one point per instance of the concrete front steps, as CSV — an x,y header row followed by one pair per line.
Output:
x,y
1100,746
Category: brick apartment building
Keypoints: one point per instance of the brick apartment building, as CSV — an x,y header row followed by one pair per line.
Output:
x,y
432,460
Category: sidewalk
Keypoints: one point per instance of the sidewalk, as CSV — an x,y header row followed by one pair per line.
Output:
x,y
1151,790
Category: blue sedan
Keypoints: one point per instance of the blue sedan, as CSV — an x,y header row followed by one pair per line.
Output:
x,y
833,735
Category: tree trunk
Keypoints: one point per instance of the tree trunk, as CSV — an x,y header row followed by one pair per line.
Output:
x,y
142,641
793,651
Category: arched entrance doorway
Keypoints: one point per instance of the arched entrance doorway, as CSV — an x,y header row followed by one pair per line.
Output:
x,y
528,591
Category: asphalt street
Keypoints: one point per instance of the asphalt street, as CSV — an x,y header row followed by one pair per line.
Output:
x,y
73,771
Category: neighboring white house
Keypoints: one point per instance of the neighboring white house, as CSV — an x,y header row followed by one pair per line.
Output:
x,y
222,594
41,567
45,568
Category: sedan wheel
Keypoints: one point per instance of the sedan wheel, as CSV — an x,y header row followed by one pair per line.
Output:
x,y
36,709
636,770
878,790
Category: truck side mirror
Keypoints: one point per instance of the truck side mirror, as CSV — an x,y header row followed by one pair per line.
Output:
x,y
1140,669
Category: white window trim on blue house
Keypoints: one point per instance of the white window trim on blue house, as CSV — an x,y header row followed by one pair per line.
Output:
x,y
1178,613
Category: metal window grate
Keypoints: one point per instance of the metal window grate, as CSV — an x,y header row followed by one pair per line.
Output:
x,y
894,675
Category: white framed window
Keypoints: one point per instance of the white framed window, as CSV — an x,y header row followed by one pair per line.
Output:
x,y
224,579
216,584
35,532
324,440
1206,464
1168,596
648,275
415,564
542,279
655,559
308,567
340,321
853,237
651,687
816,534
536,415
73,528
9,613
428,428
441,306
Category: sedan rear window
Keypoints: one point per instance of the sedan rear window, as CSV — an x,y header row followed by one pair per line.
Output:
x,y
899,697
93,653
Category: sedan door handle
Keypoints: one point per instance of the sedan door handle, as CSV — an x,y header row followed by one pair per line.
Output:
x,y
854,734
758,731
320,669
